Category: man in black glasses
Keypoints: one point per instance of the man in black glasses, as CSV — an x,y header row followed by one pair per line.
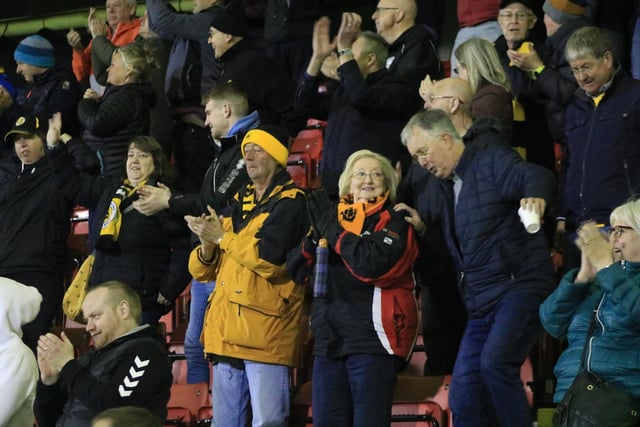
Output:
x,y
452,95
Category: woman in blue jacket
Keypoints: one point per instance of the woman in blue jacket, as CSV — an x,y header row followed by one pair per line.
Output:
x,y
608,281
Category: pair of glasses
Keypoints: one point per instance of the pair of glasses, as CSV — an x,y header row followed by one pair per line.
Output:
x,y
420,154
520,16
618,230
382,9
432,97
588,67
362,175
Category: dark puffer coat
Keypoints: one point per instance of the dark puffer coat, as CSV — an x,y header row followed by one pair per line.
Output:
x,y
151,252
493,252
112,122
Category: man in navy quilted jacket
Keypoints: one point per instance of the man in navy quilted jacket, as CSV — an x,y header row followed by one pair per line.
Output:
x,y
504,272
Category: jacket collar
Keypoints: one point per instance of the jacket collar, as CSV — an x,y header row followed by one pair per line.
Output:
x,y
139,331
244,124
236,49
471,141
617,74
377,75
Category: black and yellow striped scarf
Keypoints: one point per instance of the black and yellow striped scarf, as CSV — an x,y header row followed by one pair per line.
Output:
x,y
248,200
112,222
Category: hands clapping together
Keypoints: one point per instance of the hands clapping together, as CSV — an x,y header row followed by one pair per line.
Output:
x,y
209,230
596,249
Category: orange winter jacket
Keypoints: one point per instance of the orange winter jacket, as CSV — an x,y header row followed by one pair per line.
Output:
x,y
125,33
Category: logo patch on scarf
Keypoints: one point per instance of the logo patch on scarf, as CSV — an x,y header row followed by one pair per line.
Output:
x,y
113,209
349,214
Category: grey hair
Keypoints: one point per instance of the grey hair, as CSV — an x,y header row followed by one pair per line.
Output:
x,y
434,121
627,213
588,41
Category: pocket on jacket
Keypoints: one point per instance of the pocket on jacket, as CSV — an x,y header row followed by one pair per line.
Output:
x,y
250,328
405,319
255,321
269,302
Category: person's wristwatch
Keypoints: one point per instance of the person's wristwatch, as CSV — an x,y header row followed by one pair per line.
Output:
x,y
345,51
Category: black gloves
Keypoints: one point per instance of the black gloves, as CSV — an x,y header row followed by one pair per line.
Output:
x,y
323,214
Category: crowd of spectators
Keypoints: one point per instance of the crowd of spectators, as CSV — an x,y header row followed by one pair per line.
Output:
x,y
422,177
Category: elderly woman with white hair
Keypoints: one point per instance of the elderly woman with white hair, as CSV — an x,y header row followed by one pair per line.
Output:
x,y
607,282
365,325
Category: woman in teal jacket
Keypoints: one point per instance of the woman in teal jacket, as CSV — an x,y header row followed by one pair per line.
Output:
x,y
607,281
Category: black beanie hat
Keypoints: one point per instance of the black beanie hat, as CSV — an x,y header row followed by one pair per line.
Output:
x,y
526,3
231,19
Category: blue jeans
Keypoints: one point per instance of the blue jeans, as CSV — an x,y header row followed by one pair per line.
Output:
x,y
197,365
489,30
264,386
356,390
486,383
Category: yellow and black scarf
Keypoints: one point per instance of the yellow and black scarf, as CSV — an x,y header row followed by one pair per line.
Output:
x,y
352,215
248,200
112,222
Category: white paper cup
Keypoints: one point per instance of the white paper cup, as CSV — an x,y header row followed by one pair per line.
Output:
x,y
530,219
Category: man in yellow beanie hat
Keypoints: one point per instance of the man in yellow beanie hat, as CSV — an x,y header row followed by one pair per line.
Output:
x,y
253,326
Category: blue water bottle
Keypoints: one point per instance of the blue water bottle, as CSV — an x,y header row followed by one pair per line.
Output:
x,y
321,269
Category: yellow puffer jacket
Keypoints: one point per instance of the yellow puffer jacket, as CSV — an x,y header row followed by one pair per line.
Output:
x,y
255,310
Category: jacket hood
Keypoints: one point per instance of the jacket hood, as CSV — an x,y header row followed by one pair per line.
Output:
x,y
54,73
19,305
480,126
245,124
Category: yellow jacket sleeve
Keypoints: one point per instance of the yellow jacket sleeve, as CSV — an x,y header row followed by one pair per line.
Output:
x,y
200,270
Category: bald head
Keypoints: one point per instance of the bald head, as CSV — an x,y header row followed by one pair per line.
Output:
x,y
454,87
393,17
454,97
409,8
